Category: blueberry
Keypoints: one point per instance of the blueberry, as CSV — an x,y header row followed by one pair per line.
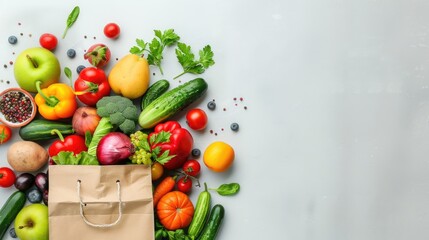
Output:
x,y
71,53
34,195
196,152
211,105
79,68
12,233
12,40
234,127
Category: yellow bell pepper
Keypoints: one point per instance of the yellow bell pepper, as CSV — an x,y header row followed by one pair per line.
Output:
x,y
130,76
56,101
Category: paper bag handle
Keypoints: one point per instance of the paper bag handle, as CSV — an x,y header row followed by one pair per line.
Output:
x,y
82,204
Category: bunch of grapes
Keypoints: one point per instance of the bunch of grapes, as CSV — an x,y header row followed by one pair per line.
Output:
x,y
142,154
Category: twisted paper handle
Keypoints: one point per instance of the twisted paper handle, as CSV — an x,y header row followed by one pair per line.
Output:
x,y
82,204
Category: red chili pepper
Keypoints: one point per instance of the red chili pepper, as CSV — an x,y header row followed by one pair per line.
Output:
x,y
179,142
91,85
71,143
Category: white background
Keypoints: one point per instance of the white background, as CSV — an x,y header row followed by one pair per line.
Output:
x,y
333,144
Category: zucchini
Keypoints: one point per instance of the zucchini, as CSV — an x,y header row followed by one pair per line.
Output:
x,y
40,129
10,209
201,214
171,102
212,227
154,91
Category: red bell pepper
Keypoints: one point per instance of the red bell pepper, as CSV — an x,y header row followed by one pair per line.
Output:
x,y
72,143
171,137
91,85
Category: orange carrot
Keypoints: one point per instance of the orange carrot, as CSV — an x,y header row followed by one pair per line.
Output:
x,y
164,187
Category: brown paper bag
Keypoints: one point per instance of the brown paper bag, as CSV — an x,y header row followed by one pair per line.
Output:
x,y
100,202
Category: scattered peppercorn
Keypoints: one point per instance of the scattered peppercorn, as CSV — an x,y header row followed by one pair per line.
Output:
x,y
12,40
16,107
234,127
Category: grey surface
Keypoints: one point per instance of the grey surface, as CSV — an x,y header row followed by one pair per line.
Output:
x,y
334,142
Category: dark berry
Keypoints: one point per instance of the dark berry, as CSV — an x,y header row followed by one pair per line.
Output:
x,y
79,68
12,233
234,127
71,53
196,152
211,105
12,40
34,195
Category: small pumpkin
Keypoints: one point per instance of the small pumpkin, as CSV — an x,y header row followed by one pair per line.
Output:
x,y
175,210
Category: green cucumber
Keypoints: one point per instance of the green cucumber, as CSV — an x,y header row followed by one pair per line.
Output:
x,y
201,214
212,227
154,91
10,209
40,129
171,102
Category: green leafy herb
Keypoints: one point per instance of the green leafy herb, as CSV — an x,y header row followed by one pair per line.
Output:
x,y
68,74
160,137
71,19
187,59
227,189
68,158
156,47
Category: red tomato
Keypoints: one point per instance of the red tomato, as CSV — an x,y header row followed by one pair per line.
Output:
x,y
192,167
98,55
184,185
112,30
196,119
7,177
5,133
94,82
48,41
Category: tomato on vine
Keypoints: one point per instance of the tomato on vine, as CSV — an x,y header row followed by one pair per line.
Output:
x,y
5,133
184,184
191,167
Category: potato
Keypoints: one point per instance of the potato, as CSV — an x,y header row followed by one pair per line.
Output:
x,y
27,156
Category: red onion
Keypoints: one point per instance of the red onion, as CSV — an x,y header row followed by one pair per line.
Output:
x,y
114,148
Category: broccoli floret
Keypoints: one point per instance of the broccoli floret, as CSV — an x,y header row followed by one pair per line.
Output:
x,y
131,113
128,126
121,111
117,118
102,112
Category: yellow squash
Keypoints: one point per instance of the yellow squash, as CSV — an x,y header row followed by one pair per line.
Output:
x,y
130,76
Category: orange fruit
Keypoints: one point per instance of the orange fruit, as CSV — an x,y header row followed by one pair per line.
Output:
x,y
218,156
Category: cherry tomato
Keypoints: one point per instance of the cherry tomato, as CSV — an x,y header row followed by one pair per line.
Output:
x,y
7,177
157,171
196,119
192,167
184,184
48,41
5,133
112,30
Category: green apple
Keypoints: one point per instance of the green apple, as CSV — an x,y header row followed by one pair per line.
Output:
x,y
32,222
36,64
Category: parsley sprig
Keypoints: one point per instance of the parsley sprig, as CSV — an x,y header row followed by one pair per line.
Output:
x,y
189,63
156,46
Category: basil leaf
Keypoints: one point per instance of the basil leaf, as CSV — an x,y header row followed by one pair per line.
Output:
x,y
71,19
68,73
228,189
